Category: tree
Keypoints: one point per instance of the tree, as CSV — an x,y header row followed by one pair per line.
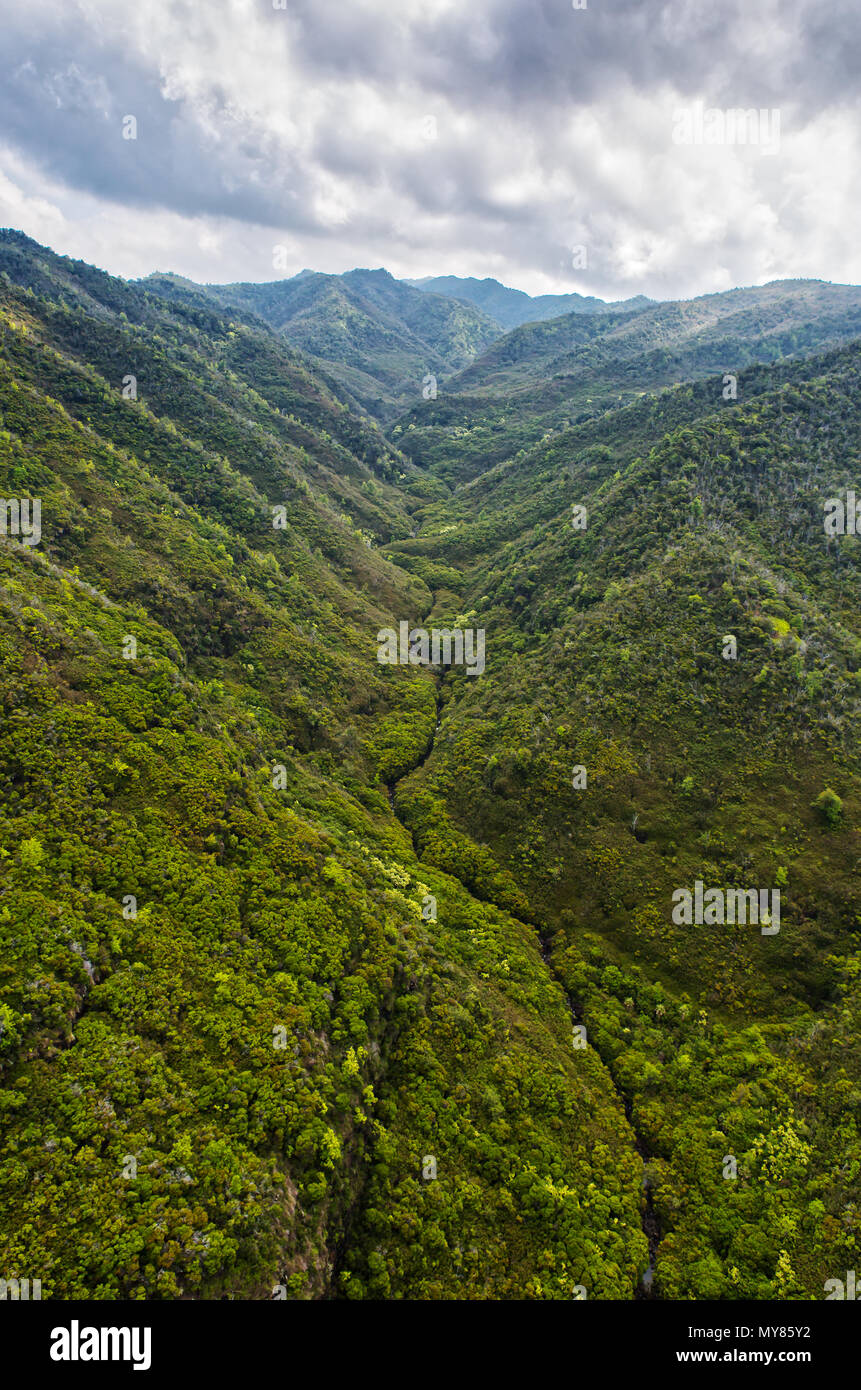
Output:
x,y
829,806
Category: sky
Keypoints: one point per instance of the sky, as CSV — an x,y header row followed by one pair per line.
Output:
x,y
555,146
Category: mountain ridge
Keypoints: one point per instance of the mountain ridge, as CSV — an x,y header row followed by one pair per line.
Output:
x,y
511,307
295,941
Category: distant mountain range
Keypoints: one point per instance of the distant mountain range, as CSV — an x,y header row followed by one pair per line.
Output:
x,y
380,338
546,376
388,346
510,308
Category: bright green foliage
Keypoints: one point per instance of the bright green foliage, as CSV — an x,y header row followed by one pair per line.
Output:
x,y
829,806
237,1049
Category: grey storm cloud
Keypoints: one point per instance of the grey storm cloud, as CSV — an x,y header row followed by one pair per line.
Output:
x,y
504,53
307,121
63,103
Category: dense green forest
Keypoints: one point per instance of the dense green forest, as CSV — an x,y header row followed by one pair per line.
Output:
x,y
378,338
510,308
325,978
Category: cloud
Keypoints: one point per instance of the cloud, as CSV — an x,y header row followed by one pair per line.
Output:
x,y
435,137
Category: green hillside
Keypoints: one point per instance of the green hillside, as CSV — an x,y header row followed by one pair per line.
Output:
x,y
546,377
231,780
510,308
377,337
705,519
321,977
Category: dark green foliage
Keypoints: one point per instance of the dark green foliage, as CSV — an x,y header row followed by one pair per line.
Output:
x,y
281,924
829,806
377,337
510,308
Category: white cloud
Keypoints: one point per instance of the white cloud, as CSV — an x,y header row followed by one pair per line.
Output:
x,y
485,139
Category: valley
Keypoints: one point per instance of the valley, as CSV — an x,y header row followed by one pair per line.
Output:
x,y
619,1103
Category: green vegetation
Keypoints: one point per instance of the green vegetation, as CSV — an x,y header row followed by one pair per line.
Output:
x,y
376,337
298,948
538,381
510,308
830,807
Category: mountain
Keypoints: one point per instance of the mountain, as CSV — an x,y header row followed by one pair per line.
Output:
x,y
376,337
379,340
510,308
328,978
232,1038
611,661
545,376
